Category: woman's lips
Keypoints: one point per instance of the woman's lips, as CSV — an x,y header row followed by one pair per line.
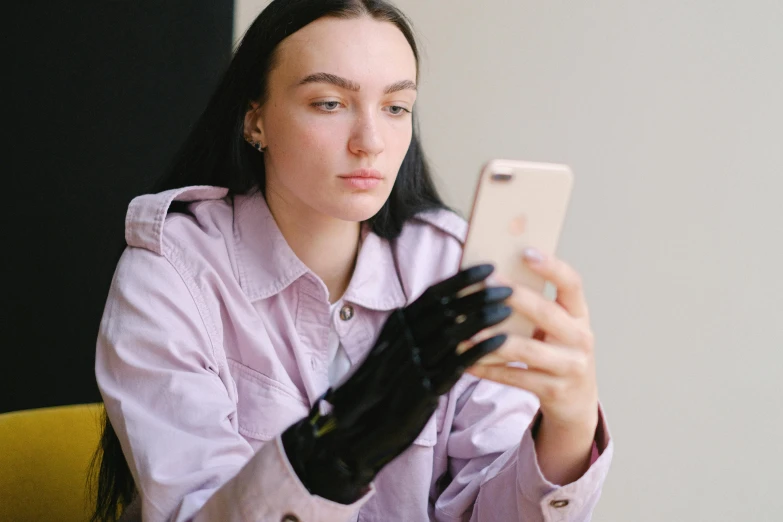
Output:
x,y
362,179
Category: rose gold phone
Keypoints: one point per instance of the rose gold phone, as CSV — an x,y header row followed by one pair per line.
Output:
x,y
517,205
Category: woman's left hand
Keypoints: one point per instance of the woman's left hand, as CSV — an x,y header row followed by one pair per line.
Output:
x,y
560,358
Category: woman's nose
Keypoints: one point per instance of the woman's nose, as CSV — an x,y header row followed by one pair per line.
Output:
x,y
366,137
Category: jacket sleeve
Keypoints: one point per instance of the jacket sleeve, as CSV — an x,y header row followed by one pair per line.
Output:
x,y
172,405
493,464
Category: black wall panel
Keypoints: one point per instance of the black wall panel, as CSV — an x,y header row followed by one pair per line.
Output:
x,y
96,97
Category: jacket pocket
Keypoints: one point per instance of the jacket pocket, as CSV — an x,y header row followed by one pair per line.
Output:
x,y
265,407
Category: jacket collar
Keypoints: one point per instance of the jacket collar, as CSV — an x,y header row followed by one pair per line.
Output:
x,y
267,265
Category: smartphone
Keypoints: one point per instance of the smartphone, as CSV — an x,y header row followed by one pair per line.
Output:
x,y
517,204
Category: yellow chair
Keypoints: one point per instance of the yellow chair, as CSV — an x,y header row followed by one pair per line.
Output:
x,y
44,459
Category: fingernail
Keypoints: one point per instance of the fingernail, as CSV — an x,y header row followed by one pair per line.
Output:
x,y
532,255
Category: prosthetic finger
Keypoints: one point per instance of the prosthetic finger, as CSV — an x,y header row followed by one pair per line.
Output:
x,y
451,337
462,279
455,310
476,321
455,366
442,294
493,294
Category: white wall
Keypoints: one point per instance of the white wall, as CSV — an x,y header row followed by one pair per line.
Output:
x,y
671,115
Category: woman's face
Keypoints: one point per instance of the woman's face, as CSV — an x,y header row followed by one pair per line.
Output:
x,y
337,120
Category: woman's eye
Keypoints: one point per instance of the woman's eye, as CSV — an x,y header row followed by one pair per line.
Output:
x,y
328,106
396,110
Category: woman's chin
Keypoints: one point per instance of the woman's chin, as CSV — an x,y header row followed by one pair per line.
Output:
x,y
358,208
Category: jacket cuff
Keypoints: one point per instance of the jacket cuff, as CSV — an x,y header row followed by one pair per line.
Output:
x,y
574,498
267,488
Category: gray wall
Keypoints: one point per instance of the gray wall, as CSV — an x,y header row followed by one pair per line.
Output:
x,y
671,115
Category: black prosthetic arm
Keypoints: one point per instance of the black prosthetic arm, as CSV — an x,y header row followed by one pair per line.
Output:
x,y
357,428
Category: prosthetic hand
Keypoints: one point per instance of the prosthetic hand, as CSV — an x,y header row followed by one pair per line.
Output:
x,y
356,429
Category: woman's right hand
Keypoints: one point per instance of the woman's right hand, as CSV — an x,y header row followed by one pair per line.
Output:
x,y
357,428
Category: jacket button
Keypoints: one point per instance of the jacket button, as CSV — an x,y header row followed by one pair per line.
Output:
x,y
557,504
289,518
346,313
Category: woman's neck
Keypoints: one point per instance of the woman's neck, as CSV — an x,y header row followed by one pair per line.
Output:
x,y
328,246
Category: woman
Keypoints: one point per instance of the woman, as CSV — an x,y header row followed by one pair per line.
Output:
x,y
279,341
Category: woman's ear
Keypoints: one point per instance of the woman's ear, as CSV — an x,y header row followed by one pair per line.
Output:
x,y
254,128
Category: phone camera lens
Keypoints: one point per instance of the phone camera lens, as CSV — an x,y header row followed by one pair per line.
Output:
x,y
501,177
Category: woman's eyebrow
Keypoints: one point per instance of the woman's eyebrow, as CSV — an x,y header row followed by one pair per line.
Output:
x,y
403,85
349,85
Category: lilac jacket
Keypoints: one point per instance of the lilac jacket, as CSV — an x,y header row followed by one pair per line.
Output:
x,y
213,342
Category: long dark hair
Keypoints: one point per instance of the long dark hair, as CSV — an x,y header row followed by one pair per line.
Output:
x,y
215,153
